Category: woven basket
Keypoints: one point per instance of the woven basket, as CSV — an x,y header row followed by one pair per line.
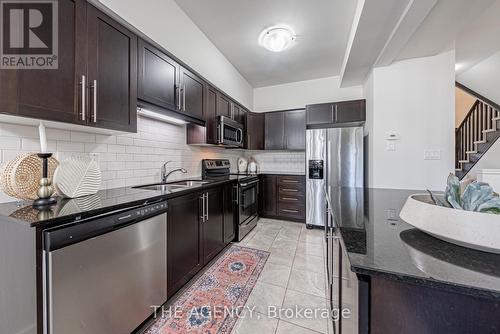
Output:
x,y
21,176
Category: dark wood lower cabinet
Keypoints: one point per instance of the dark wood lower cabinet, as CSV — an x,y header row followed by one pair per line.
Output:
x,y
184,252
213,224
199,226
283,197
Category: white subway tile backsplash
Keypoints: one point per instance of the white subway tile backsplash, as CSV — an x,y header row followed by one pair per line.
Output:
x,y
65,146
82,137
10,143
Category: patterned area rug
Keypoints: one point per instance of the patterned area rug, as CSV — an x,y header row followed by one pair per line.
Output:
x,y
210,305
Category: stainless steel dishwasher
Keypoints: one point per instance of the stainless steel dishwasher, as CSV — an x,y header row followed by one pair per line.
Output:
x,y
103,275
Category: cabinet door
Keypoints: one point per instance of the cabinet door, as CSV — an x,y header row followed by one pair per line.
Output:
x,y
254,127
320,113
237,112
211,114
275,131
350,111
213,226
184,256
158,77
230,193
193,89
223,105
295,130
52,94
268,195
112,69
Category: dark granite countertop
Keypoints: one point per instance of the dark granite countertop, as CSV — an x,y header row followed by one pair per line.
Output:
x,y
68,210
378,242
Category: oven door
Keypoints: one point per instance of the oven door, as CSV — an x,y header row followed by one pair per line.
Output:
x,y
249,193
230,133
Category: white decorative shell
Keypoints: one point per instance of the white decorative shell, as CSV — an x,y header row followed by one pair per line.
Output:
x,y
77,176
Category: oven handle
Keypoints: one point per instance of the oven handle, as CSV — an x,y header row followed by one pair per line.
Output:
x,y
249,183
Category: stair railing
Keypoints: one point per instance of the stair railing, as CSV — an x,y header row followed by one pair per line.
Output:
x,y
472,131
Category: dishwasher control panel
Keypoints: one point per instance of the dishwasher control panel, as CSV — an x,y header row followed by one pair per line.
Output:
x,y
92,227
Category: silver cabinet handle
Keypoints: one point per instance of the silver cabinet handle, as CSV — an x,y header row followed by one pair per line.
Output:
x,y
332,112
95,100
289,199
288,210
290,190
235,194
336,113
206,208
184,97
202,198
289,181
84,87
178,97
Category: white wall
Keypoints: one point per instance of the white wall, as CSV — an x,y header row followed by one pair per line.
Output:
x,y
299,94
484,78
165,23
416,99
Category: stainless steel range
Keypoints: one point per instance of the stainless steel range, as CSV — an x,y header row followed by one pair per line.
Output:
x,y
246,194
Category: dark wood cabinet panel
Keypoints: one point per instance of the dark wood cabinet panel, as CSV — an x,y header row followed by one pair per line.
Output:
x,y
295,130
52,94
211,114
184,254
320,113
230,193
193,90
237,112
275,131
254,126
338,112
268,195
350,111
112,68
158,77
223,105
213,225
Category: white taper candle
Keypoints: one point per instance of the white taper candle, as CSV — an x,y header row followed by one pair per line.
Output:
x,y
43,138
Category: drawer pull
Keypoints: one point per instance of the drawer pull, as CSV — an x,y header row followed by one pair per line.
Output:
x,y
290,190
288,210
289,199
289,181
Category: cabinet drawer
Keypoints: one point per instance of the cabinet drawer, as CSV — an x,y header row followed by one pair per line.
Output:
x,y
287,198
291,210
290,190
292,182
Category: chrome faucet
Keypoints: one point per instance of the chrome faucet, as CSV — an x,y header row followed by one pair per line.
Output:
x,y
165,175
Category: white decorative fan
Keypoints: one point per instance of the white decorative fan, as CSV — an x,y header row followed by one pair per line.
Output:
x,y
77,176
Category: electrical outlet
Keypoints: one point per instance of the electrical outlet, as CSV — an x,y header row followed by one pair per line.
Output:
x,y
432,155
94,156
391,145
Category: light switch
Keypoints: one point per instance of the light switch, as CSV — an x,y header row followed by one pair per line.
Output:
x,y
432,154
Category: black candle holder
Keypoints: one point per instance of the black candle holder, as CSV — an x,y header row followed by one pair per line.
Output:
x,y
45,190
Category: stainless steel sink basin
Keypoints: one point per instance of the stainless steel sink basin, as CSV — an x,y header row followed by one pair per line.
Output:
x,y
173,185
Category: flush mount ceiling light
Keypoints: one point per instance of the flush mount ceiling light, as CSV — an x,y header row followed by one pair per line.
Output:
x,y
277,38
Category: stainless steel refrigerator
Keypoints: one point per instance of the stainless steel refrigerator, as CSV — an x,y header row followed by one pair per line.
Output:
x,y
334,158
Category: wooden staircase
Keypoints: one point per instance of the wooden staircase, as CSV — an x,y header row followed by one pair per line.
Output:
x,y
477,133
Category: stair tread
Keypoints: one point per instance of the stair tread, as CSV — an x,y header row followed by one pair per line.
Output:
x,y
471,152
489,130
480,142
464,161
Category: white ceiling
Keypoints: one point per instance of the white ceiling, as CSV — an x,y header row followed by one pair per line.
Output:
x,y
322,28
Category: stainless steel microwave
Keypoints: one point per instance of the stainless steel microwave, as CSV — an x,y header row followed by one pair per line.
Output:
x,y
229,132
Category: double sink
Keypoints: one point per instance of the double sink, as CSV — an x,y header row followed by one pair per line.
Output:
x,y
176,185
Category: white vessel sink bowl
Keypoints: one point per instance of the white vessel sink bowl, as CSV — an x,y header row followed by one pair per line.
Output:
x,y
475,230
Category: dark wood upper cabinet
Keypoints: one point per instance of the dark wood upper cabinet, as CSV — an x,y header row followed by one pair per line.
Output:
x,y
112,69
192,93
350,111
275,131
338,112
320,113
254,125
52,94
211,114
223,105
237,112
295,129
158,77
213,226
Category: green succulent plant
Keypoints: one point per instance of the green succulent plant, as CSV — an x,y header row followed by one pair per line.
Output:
x,y
469,195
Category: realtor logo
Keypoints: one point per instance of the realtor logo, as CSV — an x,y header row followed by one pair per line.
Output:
x,y
28,36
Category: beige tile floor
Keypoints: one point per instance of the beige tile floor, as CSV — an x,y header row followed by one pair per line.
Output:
x,y
294,275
